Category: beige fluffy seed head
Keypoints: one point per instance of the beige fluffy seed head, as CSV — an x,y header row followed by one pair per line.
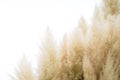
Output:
x,y
24,71
92,54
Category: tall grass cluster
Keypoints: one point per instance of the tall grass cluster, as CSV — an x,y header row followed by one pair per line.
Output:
x,y
85,54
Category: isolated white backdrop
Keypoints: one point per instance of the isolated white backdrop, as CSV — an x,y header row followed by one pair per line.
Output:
x,y
23,22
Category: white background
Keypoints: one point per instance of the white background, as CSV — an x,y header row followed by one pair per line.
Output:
x,y
23,22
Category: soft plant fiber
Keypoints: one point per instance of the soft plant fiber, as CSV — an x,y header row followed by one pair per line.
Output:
x,y
85,54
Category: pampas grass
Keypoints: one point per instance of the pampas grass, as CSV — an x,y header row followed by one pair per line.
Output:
x,y
48,67
24,70
85,54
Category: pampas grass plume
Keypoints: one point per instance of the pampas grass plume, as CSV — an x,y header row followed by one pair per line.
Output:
x,y
85,54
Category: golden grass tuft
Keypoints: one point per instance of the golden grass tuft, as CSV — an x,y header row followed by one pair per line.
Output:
x,y
85,54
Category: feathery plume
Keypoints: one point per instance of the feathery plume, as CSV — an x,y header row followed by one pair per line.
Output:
x,y
24,70
75,55
111,7
47,66
84,55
